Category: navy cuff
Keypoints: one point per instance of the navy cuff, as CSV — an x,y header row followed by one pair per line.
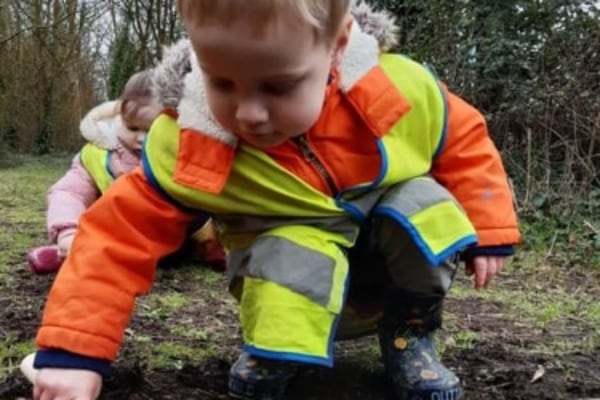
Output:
x,y
64,359
473,252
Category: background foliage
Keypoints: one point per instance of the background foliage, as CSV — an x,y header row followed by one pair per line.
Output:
x,y
531,66
61,57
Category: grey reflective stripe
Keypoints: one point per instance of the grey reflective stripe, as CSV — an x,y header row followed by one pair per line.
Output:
x,y
416,195
235,224
276,259
364,201
235,260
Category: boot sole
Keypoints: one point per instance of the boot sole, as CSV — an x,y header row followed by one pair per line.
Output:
x,y
407,394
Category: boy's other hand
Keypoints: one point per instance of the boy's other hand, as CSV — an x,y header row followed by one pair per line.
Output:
x,y
66,384
484,268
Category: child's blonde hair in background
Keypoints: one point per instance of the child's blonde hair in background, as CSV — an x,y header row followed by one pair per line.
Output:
x,y
324,16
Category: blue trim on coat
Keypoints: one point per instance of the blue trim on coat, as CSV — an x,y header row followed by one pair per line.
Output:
x,y
107,165
355,211
433,259
156,185
338,318
284,356
302,358
64,359
435,77
472,252
444,134
384,165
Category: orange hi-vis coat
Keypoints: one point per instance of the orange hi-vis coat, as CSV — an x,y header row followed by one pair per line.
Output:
x,y
121,237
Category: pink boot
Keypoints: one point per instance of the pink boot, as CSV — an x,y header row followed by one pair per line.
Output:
x,y
214,255
44,260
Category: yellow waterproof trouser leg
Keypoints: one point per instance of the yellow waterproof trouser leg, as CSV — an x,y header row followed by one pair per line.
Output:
x,y
294,282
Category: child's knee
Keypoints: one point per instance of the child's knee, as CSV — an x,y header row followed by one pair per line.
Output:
x,y
408,267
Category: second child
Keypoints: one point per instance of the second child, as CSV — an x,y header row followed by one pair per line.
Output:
x,y
116,131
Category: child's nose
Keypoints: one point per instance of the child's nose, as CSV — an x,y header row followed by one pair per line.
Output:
x,y
251,112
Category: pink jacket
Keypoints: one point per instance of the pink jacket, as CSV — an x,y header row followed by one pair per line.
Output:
x,y
72,194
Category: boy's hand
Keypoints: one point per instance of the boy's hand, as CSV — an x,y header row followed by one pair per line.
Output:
x,y
484,268
66,384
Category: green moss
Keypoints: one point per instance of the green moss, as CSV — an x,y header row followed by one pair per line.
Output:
x,y
159,306
11,354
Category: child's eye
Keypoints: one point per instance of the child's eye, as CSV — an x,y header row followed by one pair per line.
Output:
x,y
280,89
221,84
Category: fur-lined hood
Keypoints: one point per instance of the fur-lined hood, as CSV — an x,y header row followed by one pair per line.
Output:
x,y
378,23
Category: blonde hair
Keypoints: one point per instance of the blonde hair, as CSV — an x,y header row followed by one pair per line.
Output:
x,y
324,16
138,91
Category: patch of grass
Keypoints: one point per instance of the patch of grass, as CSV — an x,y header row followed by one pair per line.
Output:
x,y
208,277
11,353
187,332
180,345
565,345
167,354
539,306
23,207
591,313
175,355
452,327
462,291
203,280
552,309
555,310
464,339
160,306
547,309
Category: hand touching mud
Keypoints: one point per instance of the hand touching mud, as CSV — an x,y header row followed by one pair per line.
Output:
x,y
66,384
485,268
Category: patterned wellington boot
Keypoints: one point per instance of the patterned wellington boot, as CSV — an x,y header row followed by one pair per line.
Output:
x,y
407,346
253,378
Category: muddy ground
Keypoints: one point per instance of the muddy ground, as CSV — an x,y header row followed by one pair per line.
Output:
x,y
538,317
497,366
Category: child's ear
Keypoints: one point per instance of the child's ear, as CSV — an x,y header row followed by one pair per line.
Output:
x,y
341,41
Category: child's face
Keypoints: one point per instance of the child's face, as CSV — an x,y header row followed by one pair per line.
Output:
x,y
137,119
268,87
132,140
